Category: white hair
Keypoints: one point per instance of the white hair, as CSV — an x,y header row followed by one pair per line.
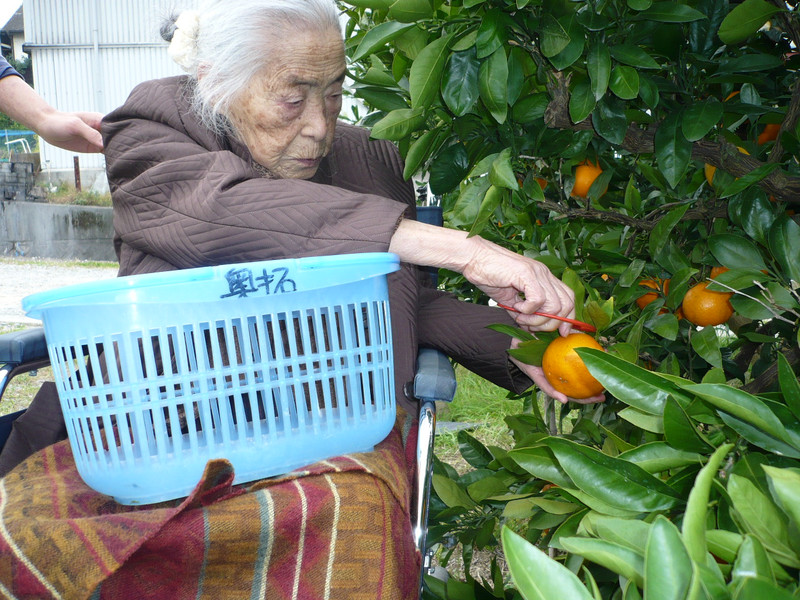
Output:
x,y
233,39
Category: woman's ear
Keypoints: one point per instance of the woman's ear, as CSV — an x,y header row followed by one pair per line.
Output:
x,y
202,69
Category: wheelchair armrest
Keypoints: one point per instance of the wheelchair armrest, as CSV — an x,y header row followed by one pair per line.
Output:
x,y
435,378
24,346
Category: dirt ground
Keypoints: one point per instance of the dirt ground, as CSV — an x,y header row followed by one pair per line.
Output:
x,y
20,277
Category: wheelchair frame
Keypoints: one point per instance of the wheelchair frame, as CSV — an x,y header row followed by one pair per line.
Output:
x,y
25,351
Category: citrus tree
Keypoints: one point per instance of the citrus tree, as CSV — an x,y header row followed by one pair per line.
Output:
x,y
647,152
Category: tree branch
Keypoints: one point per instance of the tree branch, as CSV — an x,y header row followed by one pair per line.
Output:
x,y
767,379
640,140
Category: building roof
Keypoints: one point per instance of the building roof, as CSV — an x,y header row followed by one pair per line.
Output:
x,y
11,16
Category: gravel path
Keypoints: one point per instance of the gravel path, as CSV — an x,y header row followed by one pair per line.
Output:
x,y
20,277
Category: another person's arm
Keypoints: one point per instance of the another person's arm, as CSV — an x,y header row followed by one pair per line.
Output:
x,y
78,132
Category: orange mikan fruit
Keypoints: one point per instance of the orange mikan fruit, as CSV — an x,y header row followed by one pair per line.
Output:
x,y
566,371
705,307
585,174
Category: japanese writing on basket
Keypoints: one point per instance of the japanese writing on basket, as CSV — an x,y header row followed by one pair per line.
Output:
x,y
242,282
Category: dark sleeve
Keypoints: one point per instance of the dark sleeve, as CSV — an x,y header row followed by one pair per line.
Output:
x,y
6,69
460,330
185,198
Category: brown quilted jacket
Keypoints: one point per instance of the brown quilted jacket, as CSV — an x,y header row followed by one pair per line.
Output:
x,y
184,197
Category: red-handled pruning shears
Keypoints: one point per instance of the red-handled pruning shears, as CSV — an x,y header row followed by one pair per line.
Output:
x,y
579,325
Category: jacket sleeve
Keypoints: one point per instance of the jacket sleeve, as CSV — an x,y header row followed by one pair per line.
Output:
x,y
179,194
460,330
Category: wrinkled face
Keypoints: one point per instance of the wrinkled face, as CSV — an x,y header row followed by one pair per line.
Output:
x,y
287,115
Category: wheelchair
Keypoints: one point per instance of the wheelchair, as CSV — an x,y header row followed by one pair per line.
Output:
x,y
26,351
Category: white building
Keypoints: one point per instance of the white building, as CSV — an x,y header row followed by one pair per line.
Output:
x,y
89,54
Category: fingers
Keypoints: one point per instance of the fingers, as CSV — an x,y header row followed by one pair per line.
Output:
x,y
538,377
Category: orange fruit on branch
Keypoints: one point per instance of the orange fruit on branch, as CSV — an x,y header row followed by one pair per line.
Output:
x,y
566,371
662,285
717,271
769,133
585,174
706,307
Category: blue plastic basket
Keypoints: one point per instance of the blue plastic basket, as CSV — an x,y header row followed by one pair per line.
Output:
x,y
272,365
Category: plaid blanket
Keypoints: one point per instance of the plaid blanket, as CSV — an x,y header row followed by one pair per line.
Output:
x,y
339,529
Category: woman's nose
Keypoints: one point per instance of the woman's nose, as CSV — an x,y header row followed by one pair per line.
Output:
x,y
316,122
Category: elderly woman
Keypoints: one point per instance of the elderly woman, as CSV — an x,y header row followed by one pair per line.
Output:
x,y
243,159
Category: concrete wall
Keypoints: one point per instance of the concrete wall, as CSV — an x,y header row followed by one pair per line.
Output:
x,y
16,180
56,231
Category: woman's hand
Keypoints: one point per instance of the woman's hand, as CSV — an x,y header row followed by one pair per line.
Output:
x,y
537,375
522,283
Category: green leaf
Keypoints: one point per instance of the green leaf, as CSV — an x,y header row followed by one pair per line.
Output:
x,y
742,405
379,36
758,438
673,151
581,101
419,151
530,108
700,118
740,184
760,517
625,532
618,559
574,50
624,82
706,343
501,173
735,251
633,385
613,481
531,352
790,388
757,217
749,63
752,588
425,77
553,38
784,243
667,565
694,518
492,84
681,431
469,201
398,124
460,82
634,56
410,11
784,485
598,64
537,576
473,451
642,420
671,12
493,198
745,19
609,119
648,91
450,493
540,462
752,561
491,34
655,457
639,4
448,169
662,232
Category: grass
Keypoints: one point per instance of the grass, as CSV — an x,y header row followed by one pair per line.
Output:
x,y
477,401
67,194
